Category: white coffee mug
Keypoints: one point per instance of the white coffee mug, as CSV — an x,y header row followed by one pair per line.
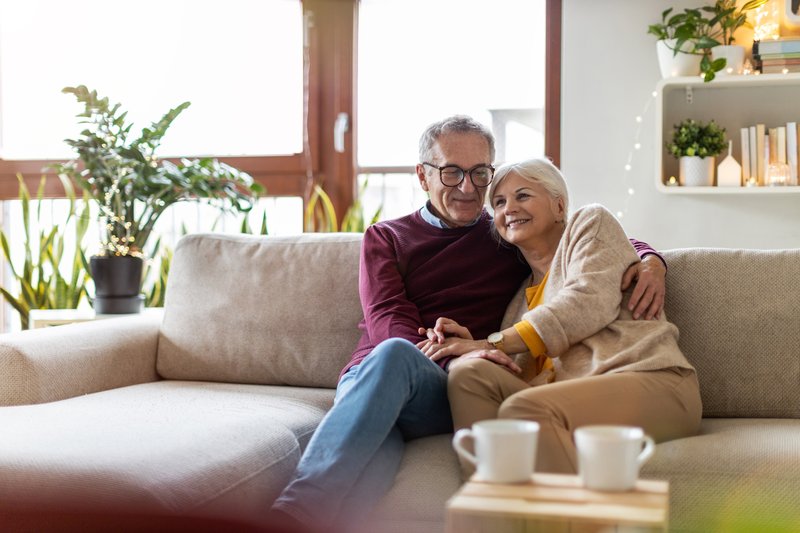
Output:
x,y
504,449
609,457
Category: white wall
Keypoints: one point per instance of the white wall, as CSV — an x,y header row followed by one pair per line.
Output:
x,y
609,71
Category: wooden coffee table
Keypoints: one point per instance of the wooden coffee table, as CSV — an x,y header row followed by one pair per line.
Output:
x,y
557,503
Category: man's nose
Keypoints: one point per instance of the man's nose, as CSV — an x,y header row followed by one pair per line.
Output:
x,y
466,184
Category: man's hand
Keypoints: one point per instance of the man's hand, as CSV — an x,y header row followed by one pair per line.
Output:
x,y
445,327
647,299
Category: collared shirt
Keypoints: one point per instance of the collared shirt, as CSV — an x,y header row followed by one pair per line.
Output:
x,y
426,211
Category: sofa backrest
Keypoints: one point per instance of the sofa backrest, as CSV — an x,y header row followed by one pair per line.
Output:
x,y
738,312
265,310
285,310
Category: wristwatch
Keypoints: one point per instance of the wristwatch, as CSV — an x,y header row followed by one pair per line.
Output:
x,y
496,340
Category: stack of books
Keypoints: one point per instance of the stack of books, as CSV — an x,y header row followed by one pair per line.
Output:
x,y
763,146
777,56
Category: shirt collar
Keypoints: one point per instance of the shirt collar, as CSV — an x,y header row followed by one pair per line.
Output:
x,y
427,214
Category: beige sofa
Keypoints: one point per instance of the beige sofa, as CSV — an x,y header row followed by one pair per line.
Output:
x,y
202,415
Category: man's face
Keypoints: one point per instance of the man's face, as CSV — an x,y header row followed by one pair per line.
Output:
x,y
456,206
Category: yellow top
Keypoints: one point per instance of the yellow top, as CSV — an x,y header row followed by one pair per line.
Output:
x,y
535,295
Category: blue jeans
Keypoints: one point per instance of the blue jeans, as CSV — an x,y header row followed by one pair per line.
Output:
x,y
396,394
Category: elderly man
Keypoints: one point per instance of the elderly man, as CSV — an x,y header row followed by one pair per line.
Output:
x,y
441,260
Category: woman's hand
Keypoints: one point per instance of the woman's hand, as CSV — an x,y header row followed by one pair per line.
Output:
x,y
452,347
496,356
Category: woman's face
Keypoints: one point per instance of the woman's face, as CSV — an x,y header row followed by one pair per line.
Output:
x,y
524,212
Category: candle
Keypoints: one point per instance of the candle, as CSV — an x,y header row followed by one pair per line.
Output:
x,y
777,175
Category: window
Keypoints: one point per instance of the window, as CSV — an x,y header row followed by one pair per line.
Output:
x,y
150,59
420,61
268,80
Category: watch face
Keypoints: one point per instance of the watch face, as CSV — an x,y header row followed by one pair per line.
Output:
x,y
494,338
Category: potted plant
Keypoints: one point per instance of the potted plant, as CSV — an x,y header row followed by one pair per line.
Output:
x,y
684,44
725,21
695,145
132,187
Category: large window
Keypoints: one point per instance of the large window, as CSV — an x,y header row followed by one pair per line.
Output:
x,y
151,57
420,61
295,92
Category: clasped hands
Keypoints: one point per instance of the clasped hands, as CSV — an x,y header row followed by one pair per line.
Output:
x,y
447,338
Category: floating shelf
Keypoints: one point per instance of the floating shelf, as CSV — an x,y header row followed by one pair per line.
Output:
x,y
733,102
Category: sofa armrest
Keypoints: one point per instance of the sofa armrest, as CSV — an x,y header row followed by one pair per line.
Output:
x,y
55,363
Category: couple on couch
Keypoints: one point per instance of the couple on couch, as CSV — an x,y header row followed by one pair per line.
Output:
x,y
437,354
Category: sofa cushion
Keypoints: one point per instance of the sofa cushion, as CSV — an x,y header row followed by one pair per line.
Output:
x,y
736,475
205,449
266,310
739,327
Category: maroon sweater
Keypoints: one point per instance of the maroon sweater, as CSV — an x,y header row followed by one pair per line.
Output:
x,y
412,273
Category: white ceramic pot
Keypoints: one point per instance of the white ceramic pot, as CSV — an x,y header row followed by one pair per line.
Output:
x,y
734,56
680,64
696,171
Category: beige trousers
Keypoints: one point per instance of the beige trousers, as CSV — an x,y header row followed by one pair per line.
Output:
x,y
665,403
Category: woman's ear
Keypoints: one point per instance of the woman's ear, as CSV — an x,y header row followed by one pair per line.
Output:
x,y
559,211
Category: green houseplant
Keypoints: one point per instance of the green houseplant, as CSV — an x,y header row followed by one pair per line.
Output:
x,y
696,144
133,188
684,44
726,19
688,41
47,278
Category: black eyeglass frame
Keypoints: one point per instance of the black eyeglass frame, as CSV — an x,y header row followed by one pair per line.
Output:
x,y
464,173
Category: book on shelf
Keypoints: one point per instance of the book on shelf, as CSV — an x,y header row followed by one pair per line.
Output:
x,y
779,62
764,144
777,46
760,152
791,150
787,55
772,136
753,156
779,69
745,133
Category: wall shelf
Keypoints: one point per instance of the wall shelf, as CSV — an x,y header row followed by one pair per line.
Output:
x,y
733,102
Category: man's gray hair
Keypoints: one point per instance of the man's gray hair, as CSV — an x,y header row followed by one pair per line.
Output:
x,y
454,124
538,170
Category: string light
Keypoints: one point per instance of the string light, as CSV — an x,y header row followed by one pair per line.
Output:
x,y
636,146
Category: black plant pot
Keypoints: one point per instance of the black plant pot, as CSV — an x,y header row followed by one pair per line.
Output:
x,y
118,284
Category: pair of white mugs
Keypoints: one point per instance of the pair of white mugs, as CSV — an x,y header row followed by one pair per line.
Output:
x,y
609,457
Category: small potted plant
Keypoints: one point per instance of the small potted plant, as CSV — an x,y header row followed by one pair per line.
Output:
x,y
695,145
684,44
133,187
724,23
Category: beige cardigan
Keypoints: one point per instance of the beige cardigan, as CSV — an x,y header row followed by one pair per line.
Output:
x,y
584,320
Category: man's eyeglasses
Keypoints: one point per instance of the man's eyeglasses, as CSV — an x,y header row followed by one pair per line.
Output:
x,y
453,175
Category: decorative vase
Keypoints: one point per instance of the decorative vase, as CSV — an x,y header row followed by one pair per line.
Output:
x,y
734,58
697,171
680,64
117,282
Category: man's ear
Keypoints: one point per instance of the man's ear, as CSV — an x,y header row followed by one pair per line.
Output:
x,y
423,179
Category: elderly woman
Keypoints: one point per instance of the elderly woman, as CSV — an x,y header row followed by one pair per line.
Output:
x,y
586,360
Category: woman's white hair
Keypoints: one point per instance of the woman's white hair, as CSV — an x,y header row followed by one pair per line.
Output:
x,y
537,170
